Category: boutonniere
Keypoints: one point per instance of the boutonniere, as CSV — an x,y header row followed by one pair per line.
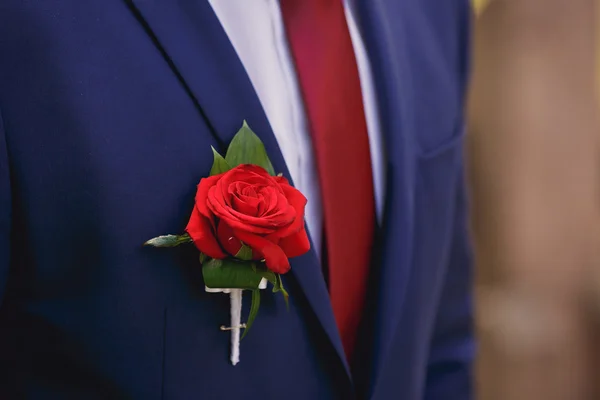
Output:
x,y
247,223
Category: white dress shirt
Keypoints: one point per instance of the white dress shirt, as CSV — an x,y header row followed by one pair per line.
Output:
x,y
257,33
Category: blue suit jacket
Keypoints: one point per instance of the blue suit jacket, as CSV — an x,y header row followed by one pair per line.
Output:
x,y
108,111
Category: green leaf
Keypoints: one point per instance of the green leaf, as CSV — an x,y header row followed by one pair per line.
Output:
x,y
266,273
219,164
247,148
278,287
245,253
253,311
203,258
169,240
269,275
230,274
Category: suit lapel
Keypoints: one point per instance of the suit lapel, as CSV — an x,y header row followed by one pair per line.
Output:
x,y
196,47
386,46
193,42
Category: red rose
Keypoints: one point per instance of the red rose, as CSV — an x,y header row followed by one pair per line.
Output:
x,y
247,205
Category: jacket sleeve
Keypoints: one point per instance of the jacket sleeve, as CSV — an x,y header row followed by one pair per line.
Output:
x,y
5,212
452,347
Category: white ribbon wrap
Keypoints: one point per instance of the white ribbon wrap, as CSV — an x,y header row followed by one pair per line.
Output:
x,y
235,296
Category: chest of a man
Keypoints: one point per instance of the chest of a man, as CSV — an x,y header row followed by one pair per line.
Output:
x,y
110,111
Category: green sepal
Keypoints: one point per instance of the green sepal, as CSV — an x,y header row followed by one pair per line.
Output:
x,y
169,240
245,253
230,274
220,165
254,306
247,148
278,287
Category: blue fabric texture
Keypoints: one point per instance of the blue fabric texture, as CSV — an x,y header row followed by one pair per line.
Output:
x,y
108,113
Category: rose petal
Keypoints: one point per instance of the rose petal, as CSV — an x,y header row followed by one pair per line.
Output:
x,y
259,225
227,239
233,218
274,256
282,180
252,200
250,174
200,230
298,202
279,208
202,193
221,189
262,204
245,205
224,201
249,191
295,245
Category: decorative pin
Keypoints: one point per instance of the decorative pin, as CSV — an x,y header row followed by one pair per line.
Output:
x,y
229,328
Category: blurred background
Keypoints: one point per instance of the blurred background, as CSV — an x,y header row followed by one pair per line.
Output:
x,y
534,170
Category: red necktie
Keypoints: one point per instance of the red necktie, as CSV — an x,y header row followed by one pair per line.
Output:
x,y
328,74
